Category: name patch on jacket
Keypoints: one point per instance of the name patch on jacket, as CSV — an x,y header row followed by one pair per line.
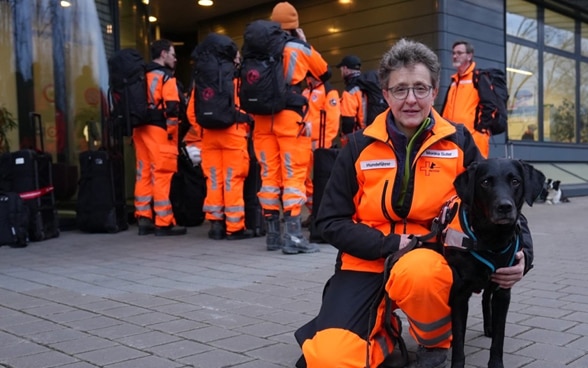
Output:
x,y
440,153
377,164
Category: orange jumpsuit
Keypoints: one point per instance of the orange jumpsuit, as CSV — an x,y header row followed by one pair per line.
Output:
x,y
225,163
323,109
282,141
156,147
368,201
461,104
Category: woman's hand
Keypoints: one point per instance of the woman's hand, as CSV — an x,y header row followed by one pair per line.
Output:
x,y
506,277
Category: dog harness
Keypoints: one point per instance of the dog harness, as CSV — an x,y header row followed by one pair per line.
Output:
x,y
467,241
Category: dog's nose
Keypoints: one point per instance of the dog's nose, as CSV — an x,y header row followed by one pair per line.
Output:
x,y
505,207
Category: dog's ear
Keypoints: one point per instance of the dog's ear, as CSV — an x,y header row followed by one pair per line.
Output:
x,y
465,185
534,181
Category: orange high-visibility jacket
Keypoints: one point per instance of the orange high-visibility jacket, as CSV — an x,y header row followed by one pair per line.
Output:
x,y
323,109
460,106
367,188
163,98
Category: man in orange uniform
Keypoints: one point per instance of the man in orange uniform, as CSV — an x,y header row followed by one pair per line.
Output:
x,y
323,114
225,162
156,145
462,97
282,143
352,104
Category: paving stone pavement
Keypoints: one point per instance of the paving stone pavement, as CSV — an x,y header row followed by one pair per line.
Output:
x,y
124,301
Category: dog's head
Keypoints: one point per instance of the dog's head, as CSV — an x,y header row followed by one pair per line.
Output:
x,y
495,189
555,184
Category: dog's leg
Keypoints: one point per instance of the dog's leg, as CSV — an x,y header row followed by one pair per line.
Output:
x,y
500,304
459,317
487,311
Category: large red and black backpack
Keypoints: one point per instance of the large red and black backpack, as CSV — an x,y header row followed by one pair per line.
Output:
x,y
263,89
214,89
128,88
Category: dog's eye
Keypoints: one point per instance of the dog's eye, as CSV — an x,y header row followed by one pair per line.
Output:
x,y
485,183
515,182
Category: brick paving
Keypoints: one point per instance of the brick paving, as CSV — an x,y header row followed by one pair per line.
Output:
x,y
124,301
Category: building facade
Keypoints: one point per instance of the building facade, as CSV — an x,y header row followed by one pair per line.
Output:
x,y
57,54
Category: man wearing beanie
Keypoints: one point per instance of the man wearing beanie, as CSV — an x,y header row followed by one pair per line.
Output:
x,y
282,141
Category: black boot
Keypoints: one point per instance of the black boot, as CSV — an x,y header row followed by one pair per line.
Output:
x,y
273,237
241,234
217,230
170,230
294,241
146,225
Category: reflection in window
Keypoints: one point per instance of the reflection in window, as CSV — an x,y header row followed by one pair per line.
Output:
x,y
584,103
584,39
559,83
522,81
521,20
559,31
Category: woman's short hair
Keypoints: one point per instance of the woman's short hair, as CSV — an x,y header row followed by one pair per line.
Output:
x,y
405,54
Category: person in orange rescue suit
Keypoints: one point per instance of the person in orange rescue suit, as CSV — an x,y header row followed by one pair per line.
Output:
x,y
225,161
282,143
352,101
323,114
462,97
156,145
389,182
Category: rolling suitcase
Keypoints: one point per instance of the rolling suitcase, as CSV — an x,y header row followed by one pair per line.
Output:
x,y
324,159
253,213
14,220
101,206
32,178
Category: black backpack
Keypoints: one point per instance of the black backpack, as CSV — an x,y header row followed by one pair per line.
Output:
x,y
491,113
262,86
214,72
128,88
369,83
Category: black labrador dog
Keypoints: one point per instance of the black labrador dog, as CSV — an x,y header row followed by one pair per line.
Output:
x,y
492,193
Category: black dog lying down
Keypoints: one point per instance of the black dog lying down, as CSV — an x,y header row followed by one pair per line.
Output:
x,y
492,193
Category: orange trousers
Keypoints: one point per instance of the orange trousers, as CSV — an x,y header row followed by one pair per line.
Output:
x,y
419,284
157,161
282,145
225,163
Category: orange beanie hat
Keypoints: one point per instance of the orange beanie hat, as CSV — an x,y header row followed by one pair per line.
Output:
x,y
285,14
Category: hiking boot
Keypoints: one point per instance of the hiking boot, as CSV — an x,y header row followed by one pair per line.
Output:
x,y
217,230
170,230
146,225
294,241
241,234
273,237
431,357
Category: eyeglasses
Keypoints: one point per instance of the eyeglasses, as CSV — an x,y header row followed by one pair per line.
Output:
x,y
401,93
459,52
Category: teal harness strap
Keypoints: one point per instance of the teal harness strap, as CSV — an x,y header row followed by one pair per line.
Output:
x,y
477,255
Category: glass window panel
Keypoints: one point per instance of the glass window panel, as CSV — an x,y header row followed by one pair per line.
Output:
x,y
559,83
7,74
584,103
584,39
522,79
521,19
559,31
